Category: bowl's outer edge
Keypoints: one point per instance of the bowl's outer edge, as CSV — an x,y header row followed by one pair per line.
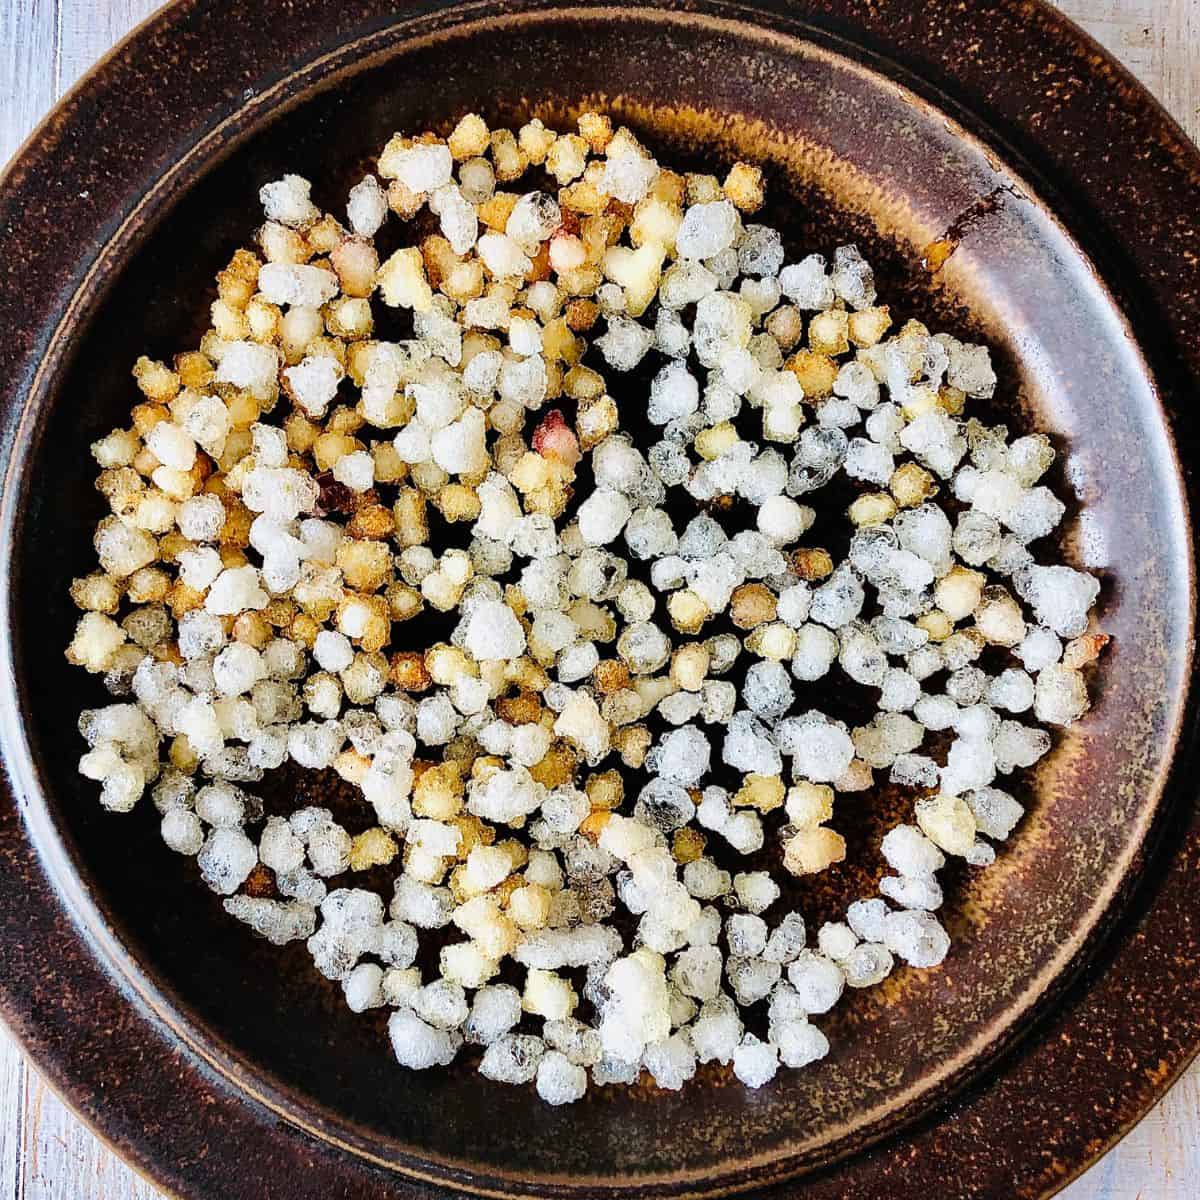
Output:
x,y
1131,1011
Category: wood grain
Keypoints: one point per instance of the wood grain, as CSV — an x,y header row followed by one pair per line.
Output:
x,y
28,54
89,28
13,1074
45,45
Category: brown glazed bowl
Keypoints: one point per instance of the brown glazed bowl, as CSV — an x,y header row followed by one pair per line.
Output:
x,y
1064,203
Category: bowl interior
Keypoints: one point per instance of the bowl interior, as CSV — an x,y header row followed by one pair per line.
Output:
x,y
851,156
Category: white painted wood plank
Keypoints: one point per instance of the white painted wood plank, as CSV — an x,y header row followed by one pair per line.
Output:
x,y
1177,50
45,1154
89,28
1159,1159
28,45
61,1160
1125,28
12,1105
1157,40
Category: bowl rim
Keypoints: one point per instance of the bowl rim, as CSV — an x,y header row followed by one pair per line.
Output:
x,y
121,986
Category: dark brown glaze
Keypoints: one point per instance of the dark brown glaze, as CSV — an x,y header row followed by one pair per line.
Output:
x,y
222,1067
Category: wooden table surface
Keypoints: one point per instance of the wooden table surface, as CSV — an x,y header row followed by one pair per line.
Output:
x,y
45,45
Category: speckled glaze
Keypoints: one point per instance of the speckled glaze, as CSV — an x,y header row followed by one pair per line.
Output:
x,y
970,149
